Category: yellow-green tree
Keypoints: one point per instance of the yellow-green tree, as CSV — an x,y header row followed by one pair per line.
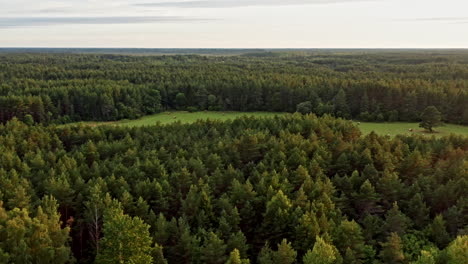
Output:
x,y
235,258
322,253
39,239
126,239
457,251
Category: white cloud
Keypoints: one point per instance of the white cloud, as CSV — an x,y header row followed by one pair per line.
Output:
x,y
242,3
234,23
50,21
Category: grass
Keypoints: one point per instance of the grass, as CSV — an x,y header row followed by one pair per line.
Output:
x,y
184,117
392,129
402,128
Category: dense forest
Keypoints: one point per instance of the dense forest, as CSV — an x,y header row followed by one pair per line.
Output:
x,y
364,85
291,189
305,188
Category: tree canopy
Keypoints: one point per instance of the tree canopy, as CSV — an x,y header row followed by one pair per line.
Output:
x,y
290,189
431,117
299,188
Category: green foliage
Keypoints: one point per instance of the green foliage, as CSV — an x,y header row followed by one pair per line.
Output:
x,y
181,101
341,104
125,239
375,86
350,241
28,120
304,107
284,255
431,117
396,221
34,239
213,250
438,232
194,193
234,258
322,253
392,252
426,257
457,251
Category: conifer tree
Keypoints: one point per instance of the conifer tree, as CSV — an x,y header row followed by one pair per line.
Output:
x,y
213,250
235,258
418,210
392,252
438,232
348,237
285,253
396,221
322,253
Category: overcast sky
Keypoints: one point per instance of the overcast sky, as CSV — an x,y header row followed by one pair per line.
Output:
x,y
235,23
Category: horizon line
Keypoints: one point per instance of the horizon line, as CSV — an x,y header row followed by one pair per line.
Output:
x,y
231,48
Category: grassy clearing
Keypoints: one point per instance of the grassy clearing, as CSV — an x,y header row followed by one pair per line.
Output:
x,y
184,117
392,129
401,128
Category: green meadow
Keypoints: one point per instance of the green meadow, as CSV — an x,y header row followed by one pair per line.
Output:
x,y
403,128
391,129
183,117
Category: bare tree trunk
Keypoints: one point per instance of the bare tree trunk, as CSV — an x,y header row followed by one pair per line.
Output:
x,y
95,228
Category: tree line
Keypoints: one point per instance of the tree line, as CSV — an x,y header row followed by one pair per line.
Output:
x,y
291,189
373,86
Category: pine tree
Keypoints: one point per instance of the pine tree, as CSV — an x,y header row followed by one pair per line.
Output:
x,y
213,250
366,200
306,231
418,210
392,252
285,254
235,258
266,255
322,253
158,255
341,104
49,218
276,222
438,232
238,241
396,221
348,236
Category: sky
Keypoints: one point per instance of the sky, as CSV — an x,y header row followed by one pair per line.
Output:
x,y
234,23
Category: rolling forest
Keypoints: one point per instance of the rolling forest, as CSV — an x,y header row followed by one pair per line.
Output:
x,y
307,187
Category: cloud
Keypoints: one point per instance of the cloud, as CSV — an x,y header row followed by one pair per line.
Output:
x,y
7,22
243,3
436,19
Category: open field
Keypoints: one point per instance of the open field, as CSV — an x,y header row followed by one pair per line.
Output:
x,y
402,128
392,129
184,117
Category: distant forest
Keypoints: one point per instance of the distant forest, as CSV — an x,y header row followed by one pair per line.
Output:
x,y
366,85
